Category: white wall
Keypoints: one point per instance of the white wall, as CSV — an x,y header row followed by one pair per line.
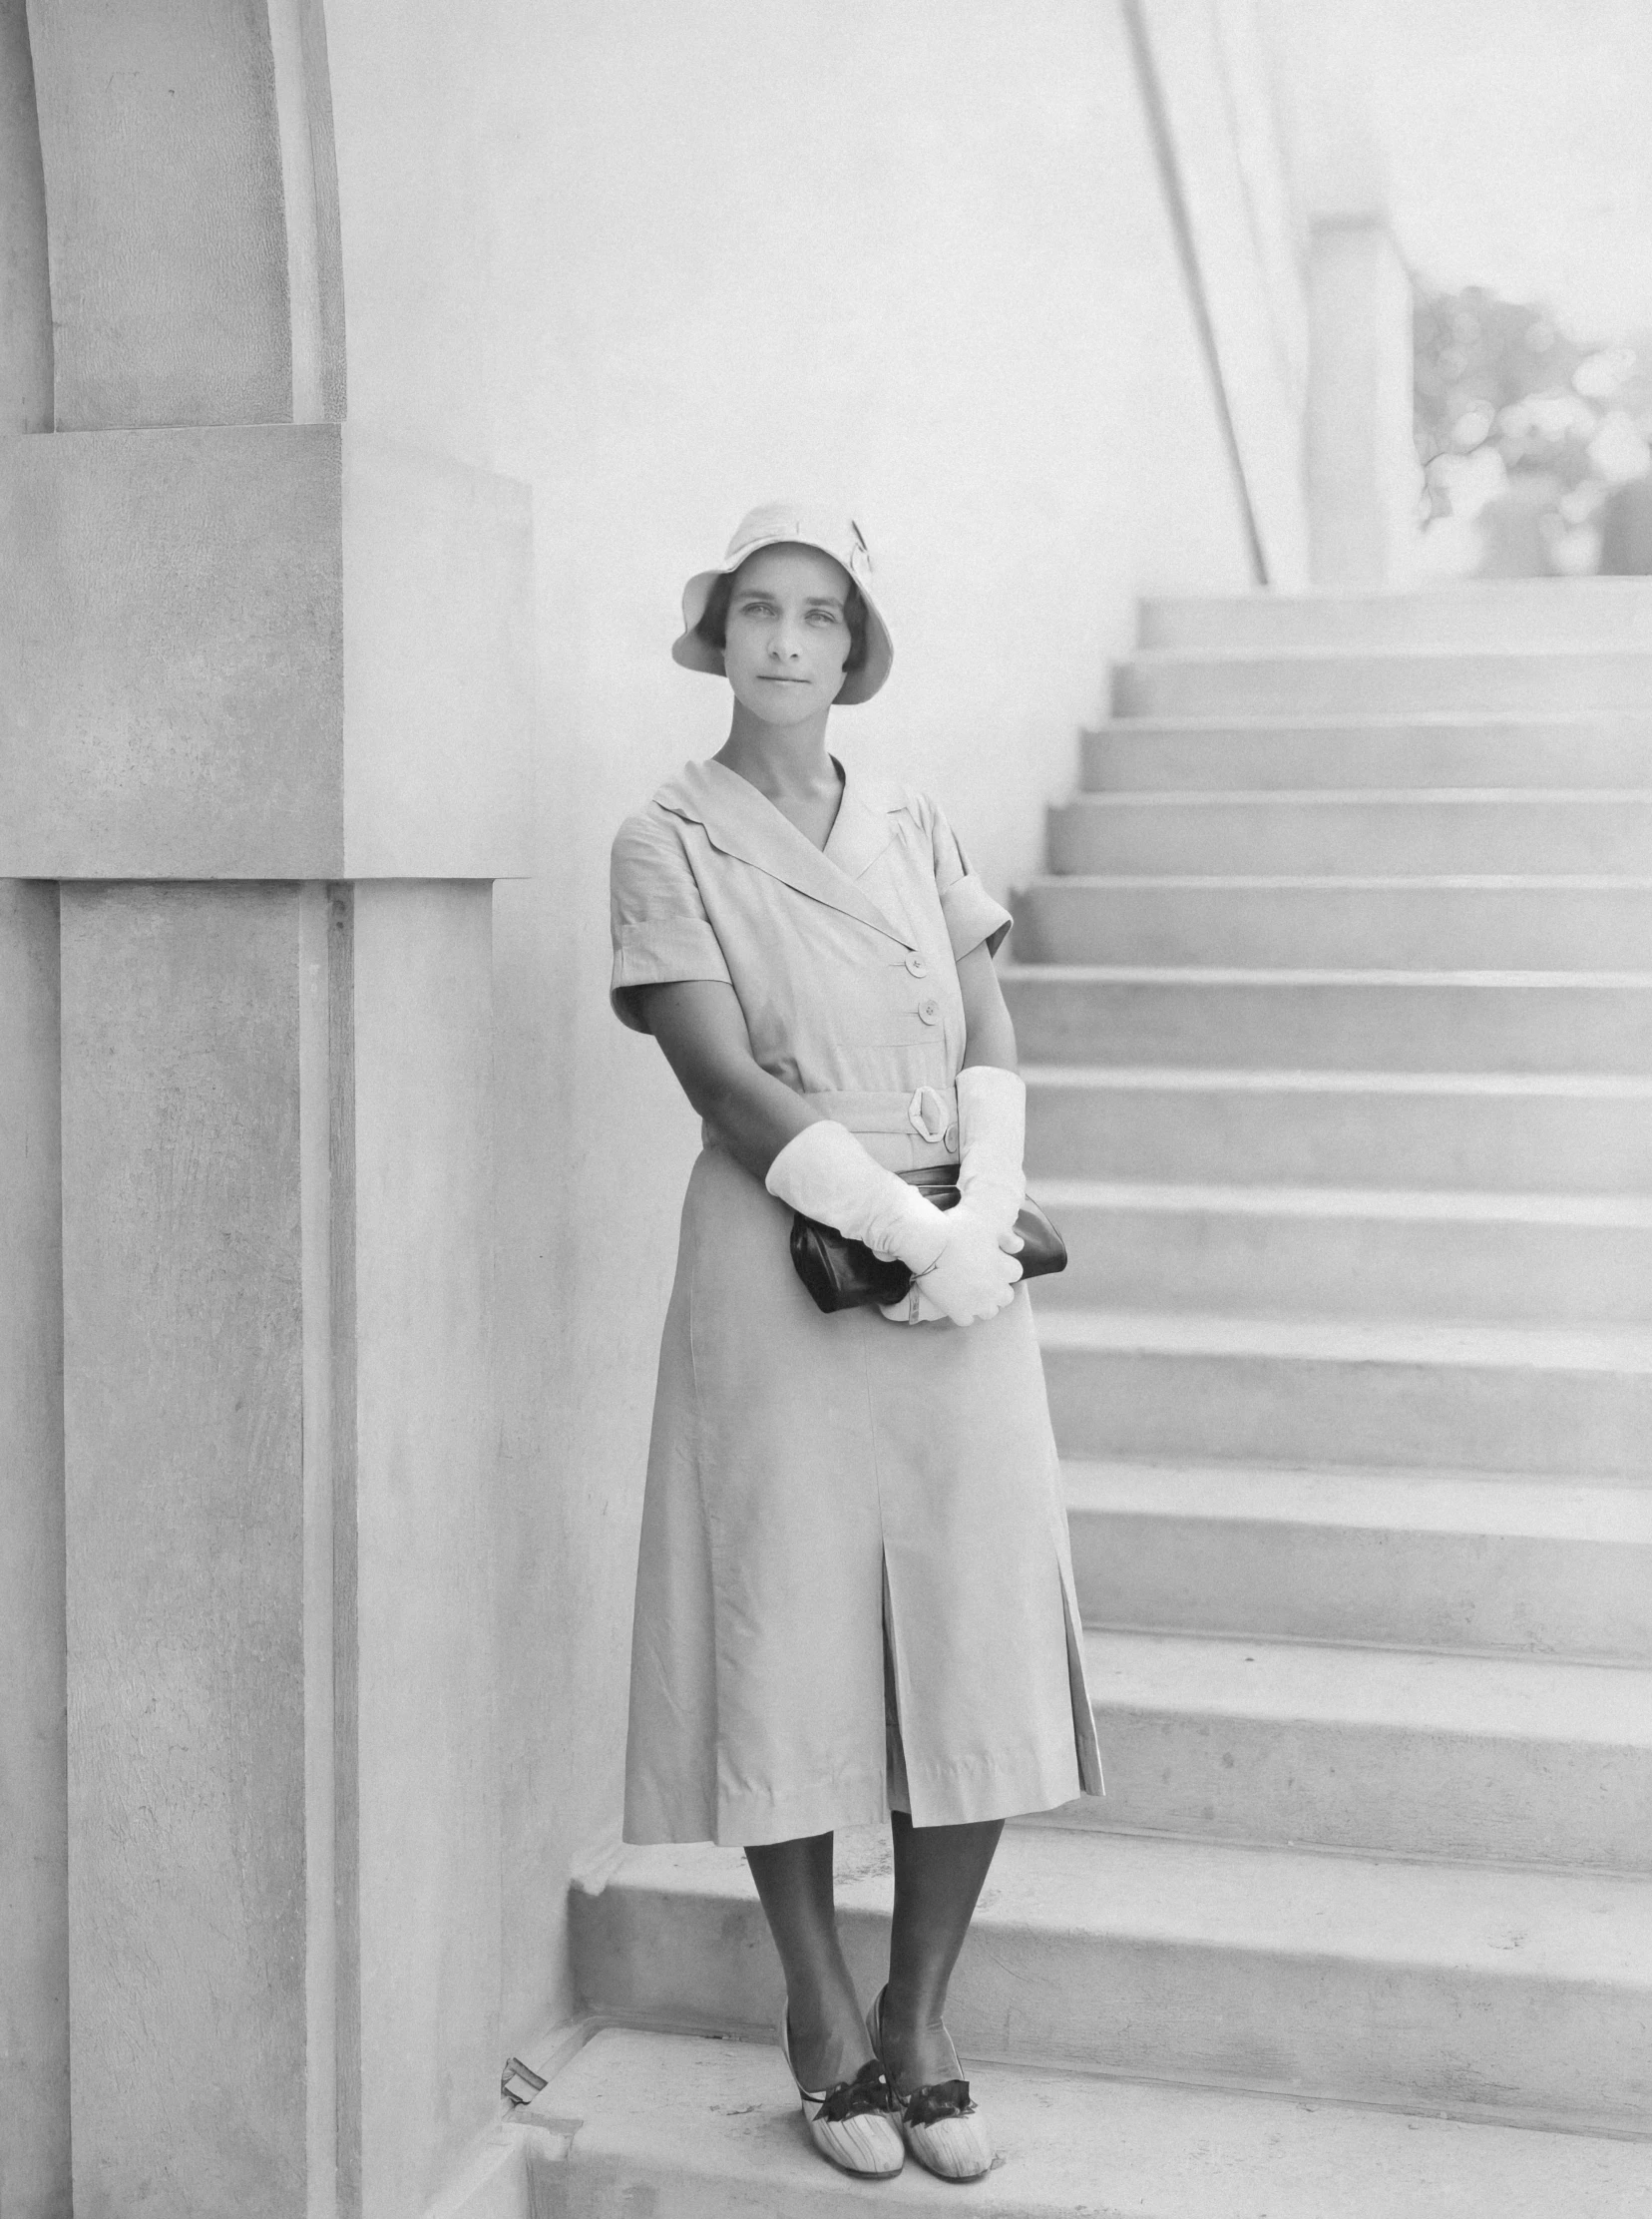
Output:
x,y
663,262
1217,79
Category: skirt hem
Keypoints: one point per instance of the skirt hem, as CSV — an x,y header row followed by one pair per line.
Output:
x,y
999,1792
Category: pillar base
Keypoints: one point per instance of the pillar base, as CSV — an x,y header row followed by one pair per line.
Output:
x,y
1363,481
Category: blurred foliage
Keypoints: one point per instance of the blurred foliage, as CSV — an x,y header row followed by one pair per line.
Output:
x,y
1501,383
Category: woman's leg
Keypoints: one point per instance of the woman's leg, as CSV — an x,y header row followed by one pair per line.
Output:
x,y
939,1870
794,1885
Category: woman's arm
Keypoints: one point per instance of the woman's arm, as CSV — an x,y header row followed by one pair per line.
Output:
x,y
989,1036
702,1029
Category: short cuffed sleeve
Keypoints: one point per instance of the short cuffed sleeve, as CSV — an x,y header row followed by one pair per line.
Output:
x,y
972,914
659,920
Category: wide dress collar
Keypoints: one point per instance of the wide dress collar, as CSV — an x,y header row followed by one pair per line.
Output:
x,y
742,823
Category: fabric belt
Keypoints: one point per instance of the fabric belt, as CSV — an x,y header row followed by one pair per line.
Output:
x,y
929,1111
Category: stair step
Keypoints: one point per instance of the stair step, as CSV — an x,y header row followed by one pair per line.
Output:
x,y
1380,833
1449,1130
1351,1252
1154,682
1315,924
1516,1398
1430,1559
1402,1751
1459,749
1509,612
1479,1989
681,2127
1414,1021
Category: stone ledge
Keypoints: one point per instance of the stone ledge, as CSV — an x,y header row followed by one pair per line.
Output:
x,y
257,651
703,2129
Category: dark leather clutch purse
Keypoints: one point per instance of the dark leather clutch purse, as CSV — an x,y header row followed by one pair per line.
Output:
x,y
841,1273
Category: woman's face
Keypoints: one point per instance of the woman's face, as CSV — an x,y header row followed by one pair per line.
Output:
x,y
787,637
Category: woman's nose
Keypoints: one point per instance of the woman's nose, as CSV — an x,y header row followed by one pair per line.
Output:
x,y
787,638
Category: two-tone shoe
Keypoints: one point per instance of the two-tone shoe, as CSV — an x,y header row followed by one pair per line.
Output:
x,y
939,2123
853,2122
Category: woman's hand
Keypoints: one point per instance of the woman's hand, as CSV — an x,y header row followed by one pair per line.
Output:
x,y
914,1306
972,1280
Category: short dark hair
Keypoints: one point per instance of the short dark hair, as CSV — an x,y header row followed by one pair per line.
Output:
x,y
713,624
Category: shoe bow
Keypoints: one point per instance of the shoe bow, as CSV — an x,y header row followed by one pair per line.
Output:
x,y
940,2099
868,2091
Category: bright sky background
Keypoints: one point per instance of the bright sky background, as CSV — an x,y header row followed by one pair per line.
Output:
x,y
1520,139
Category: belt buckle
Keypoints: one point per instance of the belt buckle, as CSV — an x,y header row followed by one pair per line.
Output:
x,y
918,1115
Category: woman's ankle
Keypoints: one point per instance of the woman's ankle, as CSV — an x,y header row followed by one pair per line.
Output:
x,y
912,2010
915,2045
827,2036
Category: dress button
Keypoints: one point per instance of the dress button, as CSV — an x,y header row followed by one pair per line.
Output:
x,y
929,1010
918,967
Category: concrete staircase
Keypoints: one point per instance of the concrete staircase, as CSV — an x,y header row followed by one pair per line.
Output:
x,y
1336,1014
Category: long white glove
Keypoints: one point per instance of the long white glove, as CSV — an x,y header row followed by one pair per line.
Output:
x,y
992,1133
826,1174
991,1136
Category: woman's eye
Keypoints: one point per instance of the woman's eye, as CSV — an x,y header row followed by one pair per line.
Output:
x,y
824,615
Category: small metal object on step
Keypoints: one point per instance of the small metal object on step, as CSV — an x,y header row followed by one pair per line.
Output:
x,y
520,2083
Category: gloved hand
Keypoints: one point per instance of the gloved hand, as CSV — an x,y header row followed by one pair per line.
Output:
x,y
991,1135
826,1174
972,1280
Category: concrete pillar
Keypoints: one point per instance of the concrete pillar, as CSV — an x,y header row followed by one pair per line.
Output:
x,y
25,294
158,128
269,697
1359,458
34,1916
265,724
1363,474
184,1438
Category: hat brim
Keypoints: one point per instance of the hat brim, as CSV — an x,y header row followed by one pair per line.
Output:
x,y
694,654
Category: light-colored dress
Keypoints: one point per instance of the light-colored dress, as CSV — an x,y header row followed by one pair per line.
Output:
x,y
855,1592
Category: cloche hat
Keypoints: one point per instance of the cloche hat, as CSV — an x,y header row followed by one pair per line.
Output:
x,y
772,525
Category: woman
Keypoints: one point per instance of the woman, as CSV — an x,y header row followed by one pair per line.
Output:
x,y
854,1596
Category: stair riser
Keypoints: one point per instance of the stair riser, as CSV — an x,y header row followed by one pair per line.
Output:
x,y
1383,1790
1379,686
1127,1258
1610,750
1299,1581
1464,1143
1606,613
601,2185
1434,2037
1535,837
1421,928
1275,1024
1293,1411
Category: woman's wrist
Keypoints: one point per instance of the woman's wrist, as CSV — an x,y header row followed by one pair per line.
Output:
x,y
991,1130
915,1232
